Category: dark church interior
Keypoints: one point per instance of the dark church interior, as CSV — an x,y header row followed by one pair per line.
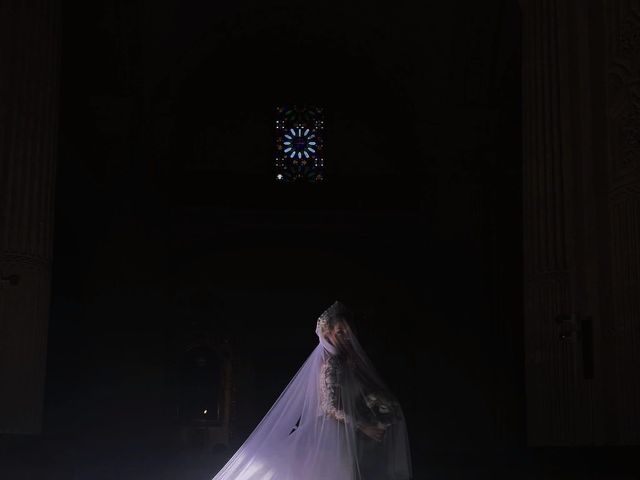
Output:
x,y
478,208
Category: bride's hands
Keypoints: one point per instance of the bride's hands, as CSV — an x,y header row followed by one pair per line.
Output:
x,y
372,431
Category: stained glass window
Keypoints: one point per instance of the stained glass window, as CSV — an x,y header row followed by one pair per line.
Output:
x,y
299,144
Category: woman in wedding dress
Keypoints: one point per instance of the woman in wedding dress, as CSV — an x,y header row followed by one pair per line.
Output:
x,y
336,420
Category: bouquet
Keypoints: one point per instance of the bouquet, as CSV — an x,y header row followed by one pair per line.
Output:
x,y
381,411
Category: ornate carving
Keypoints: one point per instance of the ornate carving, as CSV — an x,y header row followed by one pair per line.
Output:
x,y
9,280
624,93
630,130
622,26
31,261
622,193
629,36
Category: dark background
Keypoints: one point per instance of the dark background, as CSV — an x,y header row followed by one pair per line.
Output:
x,y
168,213
169,222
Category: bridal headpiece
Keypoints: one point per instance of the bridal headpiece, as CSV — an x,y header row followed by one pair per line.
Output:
x,y
330,315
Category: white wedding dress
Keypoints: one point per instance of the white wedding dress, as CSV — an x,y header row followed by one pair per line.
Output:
x,y
314,429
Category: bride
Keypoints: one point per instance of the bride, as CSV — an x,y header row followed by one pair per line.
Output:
x,y
335,420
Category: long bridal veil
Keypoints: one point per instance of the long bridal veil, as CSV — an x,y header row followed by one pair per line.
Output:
x,y
320,427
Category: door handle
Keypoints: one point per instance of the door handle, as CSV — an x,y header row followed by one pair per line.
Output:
x,y
572,329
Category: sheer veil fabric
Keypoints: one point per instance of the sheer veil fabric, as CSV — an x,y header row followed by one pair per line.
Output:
x,y
315,429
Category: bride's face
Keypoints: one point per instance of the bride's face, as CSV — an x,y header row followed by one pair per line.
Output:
x,y
338,335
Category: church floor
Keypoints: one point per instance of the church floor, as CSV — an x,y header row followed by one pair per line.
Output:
x,y
47,459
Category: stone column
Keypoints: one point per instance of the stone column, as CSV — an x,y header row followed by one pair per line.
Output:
x,y
29,92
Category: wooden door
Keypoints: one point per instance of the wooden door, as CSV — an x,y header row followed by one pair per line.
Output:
x,y
581,112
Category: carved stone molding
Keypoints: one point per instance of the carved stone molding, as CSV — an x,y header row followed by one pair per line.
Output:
x,y
22,260
622,61
623,82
